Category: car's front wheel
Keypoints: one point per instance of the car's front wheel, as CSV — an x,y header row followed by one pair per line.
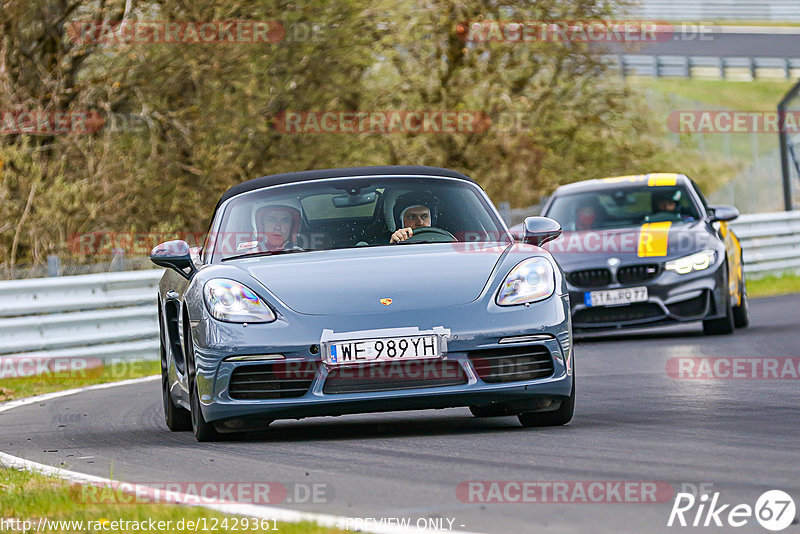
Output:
x,y
741,313
176,418
721,326
561,416
202,430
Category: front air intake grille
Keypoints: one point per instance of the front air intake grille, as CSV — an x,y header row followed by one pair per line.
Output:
x,y
590,278
512,364
279,380
391,376
617,314
634,274
692,307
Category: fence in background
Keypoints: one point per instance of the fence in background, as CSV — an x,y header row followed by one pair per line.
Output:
x,y
722,68
709,10
113,315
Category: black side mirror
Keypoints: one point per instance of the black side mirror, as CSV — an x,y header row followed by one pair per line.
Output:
x,y
174,255
722,213
540,230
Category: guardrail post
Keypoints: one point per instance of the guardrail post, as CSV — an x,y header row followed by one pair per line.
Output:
x,y
53,265
722,68
117,260
753,68
657,66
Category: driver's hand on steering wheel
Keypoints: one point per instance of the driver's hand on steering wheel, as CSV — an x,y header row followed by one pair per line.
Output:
x,y
401,235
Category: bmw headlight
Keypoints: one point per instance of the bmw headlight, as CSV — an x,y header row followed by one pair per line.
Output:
x,y
233,302
695,262
531,280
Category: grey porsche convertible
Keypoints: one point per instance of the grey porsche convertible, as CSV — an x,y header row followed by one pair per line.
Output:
x,y
369,289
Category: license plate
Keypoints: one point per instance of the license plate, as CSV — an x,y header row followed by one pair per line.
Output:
x,y
615,296
383,350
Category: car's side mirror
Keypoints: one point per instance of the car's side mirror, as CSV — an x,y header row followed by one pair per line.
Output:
x,y
539,230
174,255
722,213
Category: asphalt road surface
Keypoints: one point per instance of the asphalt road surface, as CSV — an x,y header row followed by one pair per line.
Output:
x,y
633,422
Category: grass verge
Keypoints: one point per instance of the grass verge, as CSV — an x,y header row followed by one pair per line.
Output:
x,y
757,95
770,286
27,386
30,497
33,497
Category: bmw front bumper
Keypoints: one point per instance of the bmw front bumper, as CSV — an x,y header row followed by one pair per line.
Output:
x,y
671,298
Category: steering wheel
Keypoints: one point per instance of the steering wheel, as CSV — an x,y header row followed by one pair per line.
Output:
x,y
430,234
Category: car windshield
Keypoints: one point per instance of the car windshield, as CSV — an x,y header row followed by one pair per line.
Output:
x,y
353,212
620,208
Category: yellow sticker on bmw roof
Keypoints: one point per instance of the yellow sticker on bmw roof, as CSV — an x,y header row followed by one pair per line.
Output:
x,y
662,179
653,239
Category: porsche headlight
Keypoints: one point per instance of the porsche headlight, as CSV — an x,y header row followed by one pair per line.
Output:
x,y
233,302
695,262
528,281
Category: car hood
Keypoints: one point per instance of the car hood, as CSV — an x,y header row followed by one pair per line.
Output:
x,y
633,245
351,281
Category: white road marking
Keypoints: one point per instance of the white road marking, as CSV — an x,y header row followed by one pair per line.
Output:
x,y
251,510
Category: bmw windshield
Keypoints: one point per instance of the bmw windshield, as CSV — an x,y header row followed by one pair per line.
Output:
x,y
621,208
354,212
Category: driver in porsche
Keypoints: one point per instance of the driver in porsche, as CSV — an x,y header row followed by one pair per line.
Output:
x,y
412,210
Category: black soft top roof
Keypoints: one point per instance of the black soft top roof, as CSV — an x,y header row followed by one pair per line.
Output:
x,y
303,176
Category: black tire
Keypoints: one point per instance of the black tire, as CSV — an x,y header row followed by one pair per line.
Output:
x,y
488,411
202,431
741,313
176,418
559,417
723,325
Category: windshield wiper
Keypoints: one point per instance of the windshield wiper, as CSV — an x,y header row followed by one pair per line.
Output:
x,y
265,253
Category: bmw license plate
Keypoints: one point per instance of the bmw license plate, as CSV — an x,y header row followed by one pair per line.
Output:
x,y
383,350
613,297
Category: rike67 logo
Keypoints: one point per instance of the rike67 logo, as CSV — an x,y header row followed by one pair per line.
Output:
x,y
774,510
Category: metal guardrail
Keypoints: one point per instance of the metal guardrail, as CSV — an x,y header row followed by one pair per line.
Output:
x,y
104,316
113,315
704,10
770,242
735,68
